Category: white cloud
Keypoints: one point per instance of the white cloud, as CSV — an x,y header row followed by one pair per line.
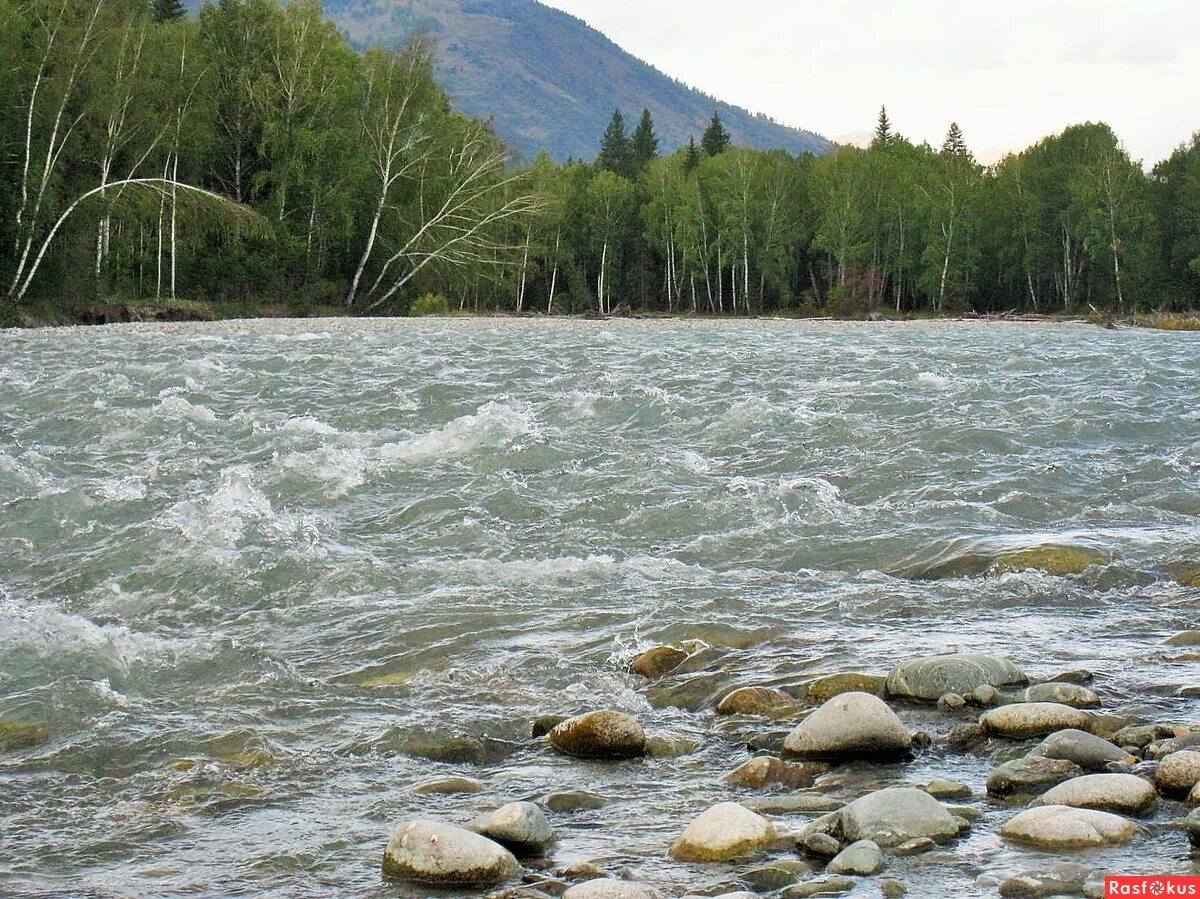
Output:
x,y
1008,73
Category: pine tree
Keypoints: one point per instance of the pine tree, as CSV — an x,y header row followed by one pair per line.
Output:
x,y
167,10
645,141
716,138
883,130
955,145
616,152
691,161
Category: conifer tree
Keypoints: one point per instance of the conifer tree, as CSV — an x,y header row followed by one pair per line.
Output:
x,y
645,141
883,129
691,161
167,10
955,145
616,151
716,138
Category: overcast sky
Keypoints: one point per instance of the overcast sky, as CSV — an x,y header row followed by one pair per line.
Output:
x,y
1008,72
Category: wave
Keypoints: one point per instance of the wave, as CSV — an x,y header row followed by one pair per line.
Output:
x,y
494,425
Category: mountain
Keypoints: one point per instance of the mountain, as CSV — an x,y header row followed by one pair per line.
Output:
x,y
547,79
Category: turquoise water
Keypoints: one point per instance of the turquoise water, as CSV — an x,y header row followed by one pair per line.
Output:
x,y
244,566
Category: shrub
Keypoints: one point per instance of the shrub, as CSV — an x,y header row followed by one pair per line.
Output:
x,y
429,304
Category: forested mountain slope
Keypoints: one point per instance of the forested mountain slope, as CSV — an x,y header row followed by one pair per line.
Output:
x,y
547,79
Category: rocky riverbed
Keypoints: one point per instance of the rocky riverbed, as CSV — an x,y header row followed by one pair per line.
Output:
x,y
809,813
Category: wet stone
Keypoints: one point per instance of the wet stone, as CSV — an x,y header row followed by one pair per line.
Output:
x,y
1121,793
546,723
1178,772
951,702
657,662
861,859
574,801
1064,879
850,725
1023,720
433,853
824,886
662,746
613,889
15,735
766,771
1086,750
447,785
947,789
824,689
605,734
1073,695
1030,775
1059,827
930,677
822,845
520,827
766,702
793,803
723,832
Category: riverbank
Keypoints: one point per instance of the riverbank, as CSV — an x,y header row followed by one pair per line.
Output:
x,y
42,314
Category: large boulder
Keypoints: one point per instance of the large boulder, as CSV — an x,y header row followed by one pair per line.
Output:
x,y
725,831
766,702
1124,794
1023,720
929,678
896,815
600,735
1055,827
1032,774
1074,695
437,854
604,888
849,725
1178,772
519,826
1086,750
825,688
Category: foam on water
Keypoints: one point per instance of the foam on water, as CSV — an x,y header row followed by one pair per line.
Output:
x,y
250,563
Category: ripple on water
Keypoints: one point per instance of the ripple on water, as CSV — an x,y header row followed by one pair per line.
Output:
x,y
247,563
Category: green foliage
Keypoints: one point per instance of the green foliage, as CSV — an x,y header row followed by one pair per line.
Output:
x,y
429,304
716,138
167,10
616,149
644,145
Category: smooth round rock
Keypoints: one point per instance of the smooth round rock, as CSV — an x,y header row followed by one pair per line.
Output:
x,y
894,816
1023,720
824,886
520,826
822,845
725,831
929,678
766,702
1178,772
657,662
861,859
1124,794
1059,827
951,702
1086,750
1074,695
767,770
1184,638
447,785
600,735
437,854
606,888
574,801
848,726
1051,558
1031,774
947,789
825,688
1064,879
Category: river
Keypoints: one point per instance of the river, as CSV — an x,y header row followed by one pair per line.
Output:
x,y
248,570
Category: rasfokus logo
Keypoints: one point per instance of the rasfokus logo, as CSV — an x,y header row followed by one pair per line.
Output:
x,y
1151,886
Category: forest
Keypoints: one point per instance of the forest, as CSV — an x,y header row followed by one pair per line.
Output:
x,y
250,159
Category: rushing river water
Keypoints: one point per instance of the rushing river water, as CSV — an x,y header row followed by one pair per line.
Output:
x,y
249,572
